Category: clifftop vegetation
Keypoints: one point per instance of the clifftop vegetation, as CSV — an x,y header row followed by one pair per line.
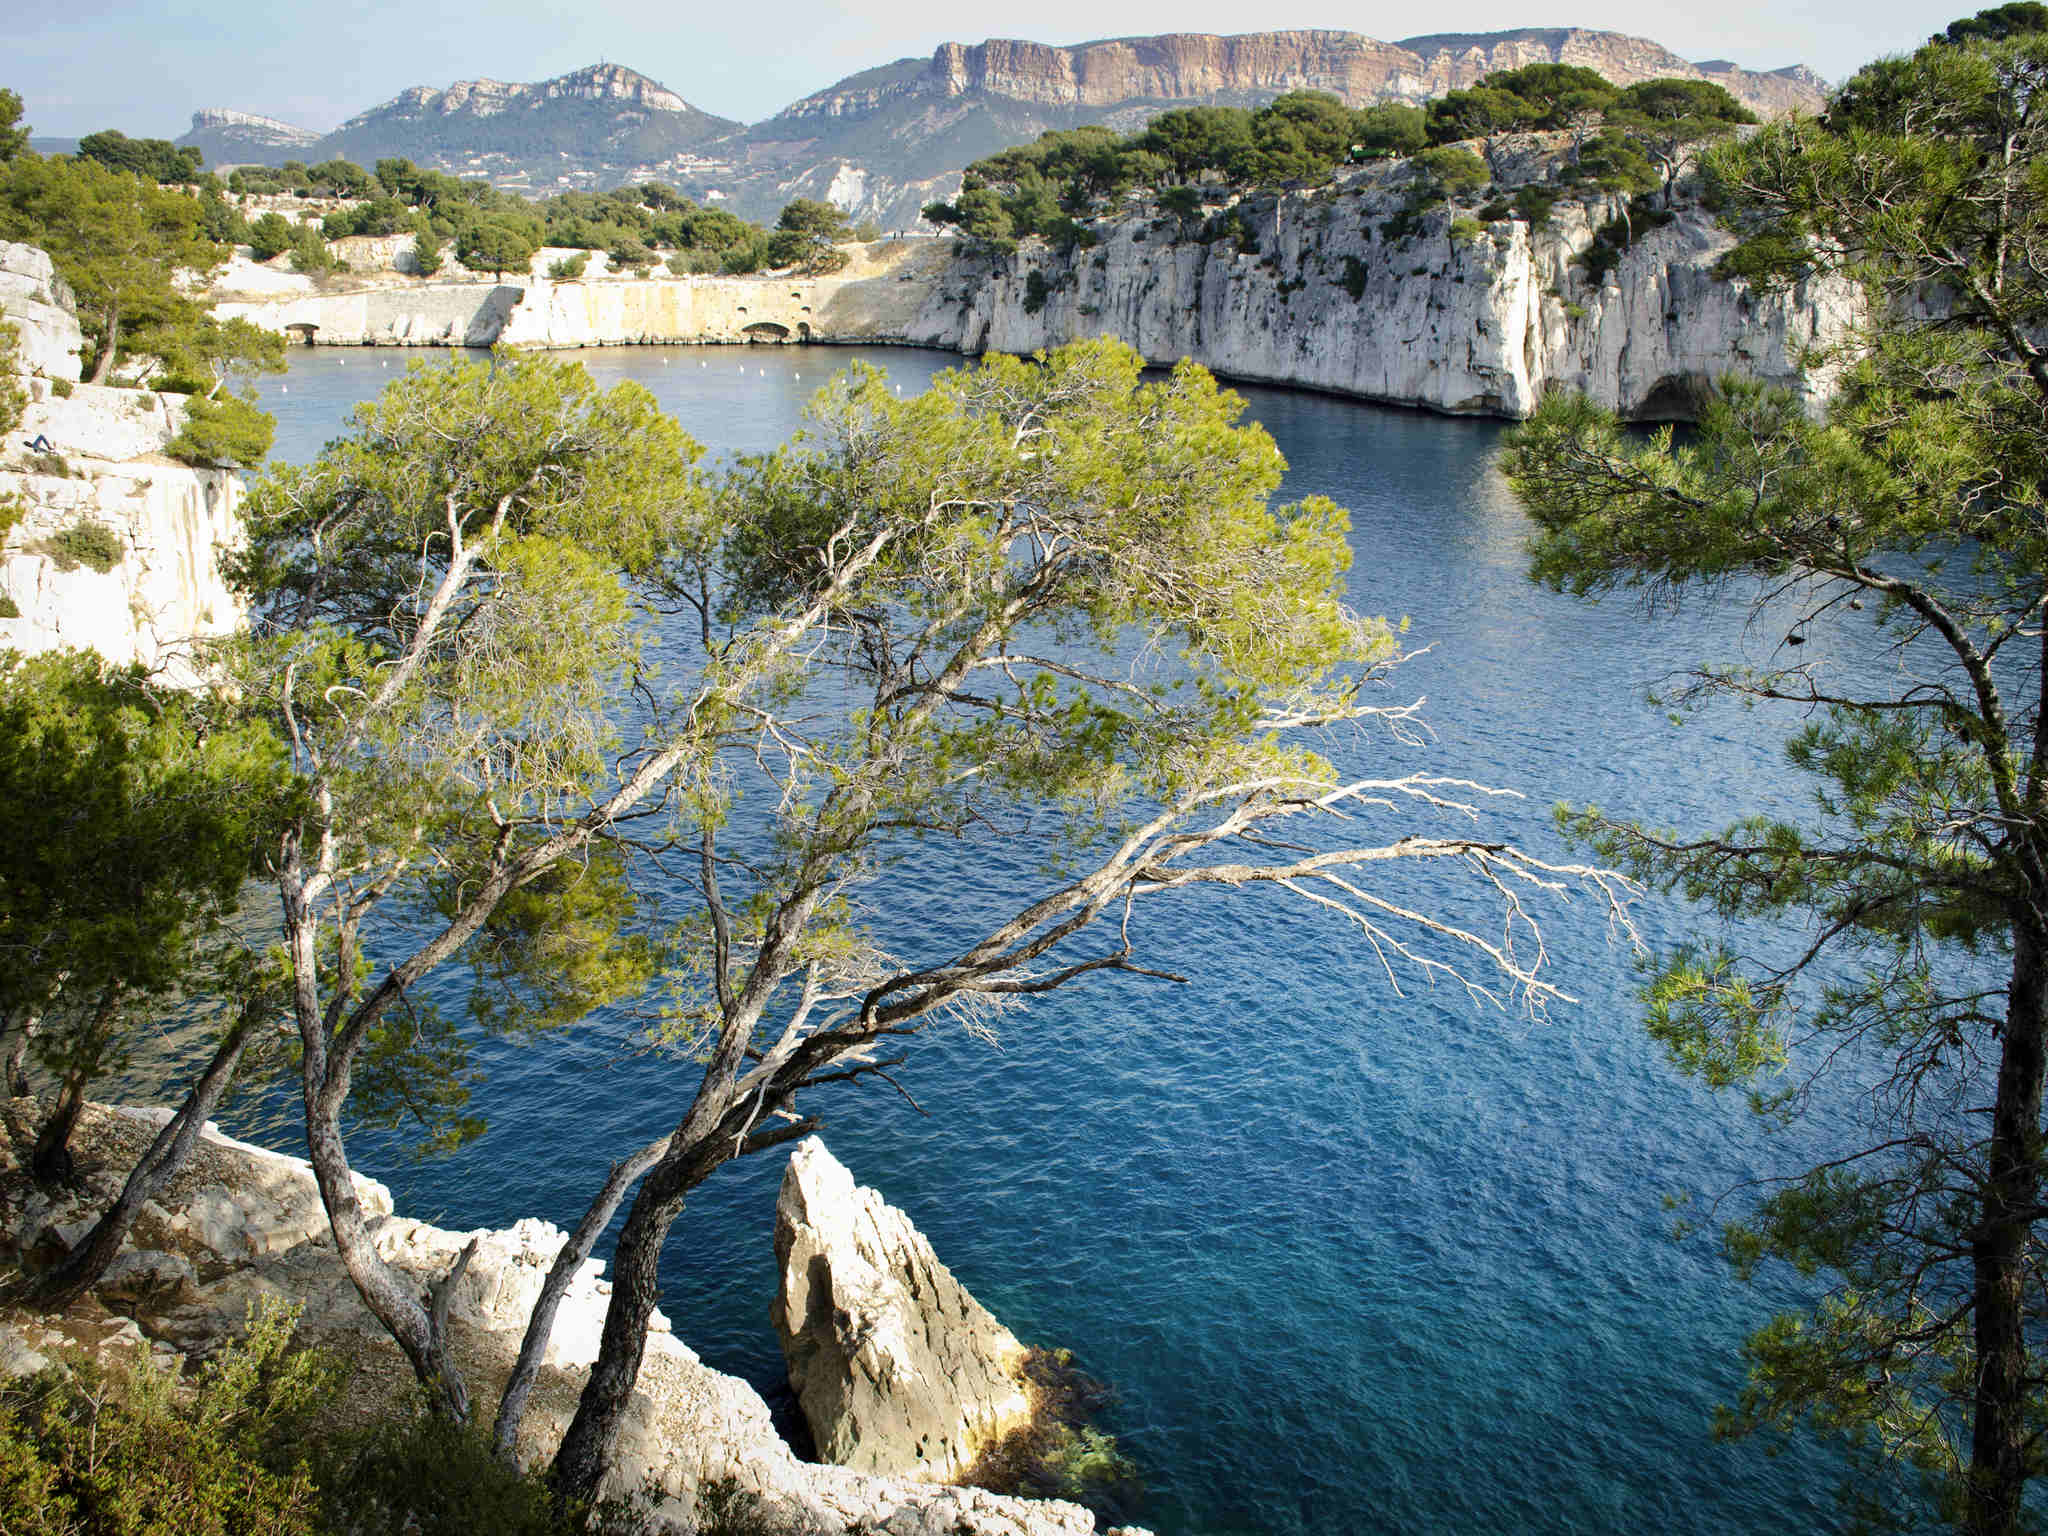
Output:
x,y
1622,140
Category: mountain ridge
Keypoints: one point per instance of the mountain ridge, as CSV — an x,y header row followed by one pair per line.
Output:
x,y
882,141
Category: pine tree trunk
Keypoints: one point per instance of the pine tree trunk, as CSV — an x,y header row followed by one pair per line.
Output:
x,y
540,1326
167,1155
409,1320
104,365
2000,1431
588,1447
51,1160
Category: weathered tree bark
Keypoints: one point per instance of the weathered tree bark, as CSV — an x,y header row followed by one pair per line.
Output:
x,y
409,1319
2000,1430
534,1347
104,364
588,1448
167,1155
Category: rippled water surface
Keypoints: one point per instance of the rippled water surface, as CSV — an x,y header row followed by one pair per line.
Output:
x,y
1354,1261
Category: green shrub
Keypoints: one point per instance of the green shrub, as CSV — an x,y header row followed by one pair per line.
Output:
x,y
132,1453
8,608
62,388
571,267
1464,228
726,1508
420,1475
309,251
90,544
1534,203
226,430
1495,211
1356,274
13,398
1035,290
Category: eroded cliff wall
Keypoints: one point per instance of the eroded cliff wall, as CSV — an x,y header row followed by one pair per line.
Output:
x,y
1337,289
157,584
1329,291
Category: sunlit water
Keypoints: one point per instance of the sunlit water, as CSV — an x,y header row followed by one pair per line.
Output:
x,y
1353,1260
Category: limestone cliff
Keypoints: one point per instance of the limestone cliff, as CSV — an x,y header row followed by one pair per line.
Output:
x,y
169,522
1331,289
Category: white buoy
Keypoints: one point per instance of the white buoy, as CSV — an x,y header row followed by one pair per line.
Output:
x,y
284,389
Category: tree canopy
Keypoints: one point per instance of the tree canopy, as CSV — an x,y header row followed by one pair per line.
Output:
x,y
124,244
148,810
917,619
1906,526
158,159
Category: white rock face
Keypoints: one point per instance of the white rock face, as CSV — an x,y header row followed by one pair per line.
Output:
x,y
34,300
172,523
898,1368
1329,300
241,1224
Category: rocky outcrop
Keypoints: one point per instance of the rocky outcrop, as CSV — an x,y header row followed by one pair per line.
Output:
x,y
1254,66
1338,290
248,130
36,302
242,1224
898,1368
169,524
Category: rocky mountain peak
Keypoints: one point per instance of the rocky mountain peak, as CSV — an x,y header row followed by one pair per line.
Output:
x,y
221,130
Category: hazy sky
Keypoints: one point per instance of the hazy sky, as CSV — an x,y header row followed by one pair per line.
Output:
x,y
144,65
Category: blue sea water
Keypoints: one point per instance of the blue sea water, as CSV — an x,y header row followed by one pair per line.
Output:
x,y
1354,1259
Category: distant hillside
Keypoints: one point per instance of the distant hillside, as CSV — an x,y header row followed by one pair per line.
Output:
x,y
883,142
584,128
590,121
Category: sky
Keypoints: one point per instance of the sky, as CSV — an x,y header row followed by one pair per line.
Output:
x,y
144,66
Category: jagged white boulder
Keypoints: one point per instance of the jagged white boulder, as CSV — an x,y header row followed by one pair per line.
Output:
x,y
898,1368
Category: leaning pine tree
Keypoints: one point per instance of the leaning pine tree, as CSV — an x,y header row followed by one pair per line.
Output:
x,y
1045,586
1910,529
